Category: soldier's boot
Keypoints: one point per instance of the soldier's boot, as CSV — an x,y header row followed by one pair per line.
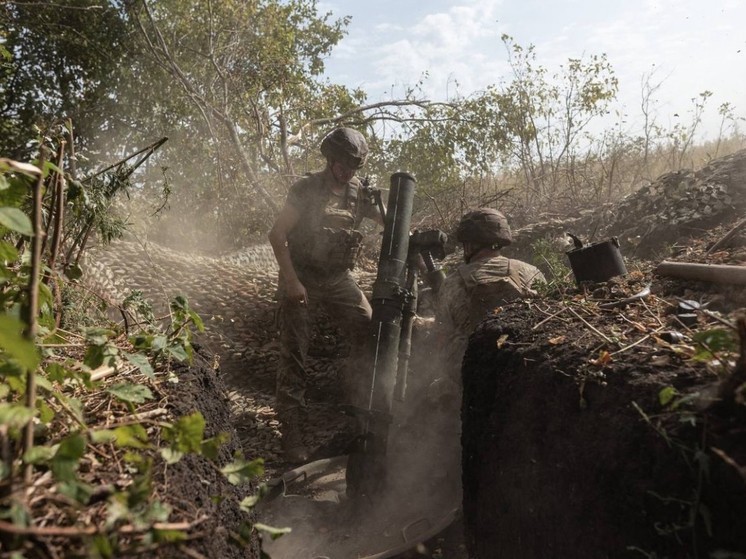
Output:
x,y
293,449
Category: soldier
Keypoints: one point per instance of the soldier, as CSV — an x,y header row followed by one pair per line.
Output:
x,y
316,241
486,281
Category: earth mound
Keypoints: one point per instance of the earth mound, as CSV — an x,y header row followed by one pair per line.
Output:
x,y
608,421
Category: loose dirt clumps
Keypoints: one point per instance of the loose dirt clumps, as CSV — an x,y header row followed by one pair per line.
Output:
x,y
195,482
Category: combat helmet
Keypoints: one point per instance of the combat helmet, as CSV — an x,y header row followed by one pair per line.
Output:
x,y
484,226
345,145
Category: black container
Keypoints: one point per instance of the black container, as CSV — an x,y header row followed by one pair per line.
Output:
x,y
597,262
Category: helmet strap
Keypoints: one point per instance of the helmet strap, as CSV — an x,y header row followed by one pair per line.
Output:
x,y
473,250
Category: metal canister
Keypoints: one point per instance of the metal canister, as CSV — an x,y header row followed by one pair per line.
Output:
x,y
597,262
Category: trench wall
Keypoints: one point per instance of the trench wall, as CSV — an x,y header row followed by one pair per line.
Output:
x,y
553,470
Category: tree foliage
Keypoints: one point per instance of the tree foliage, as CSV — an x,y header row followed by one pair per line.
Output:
x,y
237,87
59,62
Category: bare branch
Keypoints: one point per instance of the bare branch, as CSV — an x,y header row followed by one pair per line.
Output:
x,y
424,103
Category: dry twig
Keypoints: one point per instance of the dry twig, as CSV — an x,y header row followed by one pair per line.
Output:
x,y
727,237
591,327
550,317
82,531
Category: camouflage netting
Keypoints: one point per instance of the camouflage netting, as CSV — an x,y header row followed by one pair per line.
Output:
x,y
235,295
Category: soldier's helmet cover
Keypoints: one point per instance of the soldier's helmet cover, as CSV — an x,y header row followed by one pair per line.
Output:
x,y
345,145
484,226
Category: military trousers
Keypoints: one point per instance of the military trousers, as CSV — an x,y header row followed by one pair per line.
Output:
x,y
345,303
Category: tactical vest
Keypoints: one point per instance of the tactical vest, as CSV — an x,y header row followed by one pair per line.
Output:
x,y
489,286
327,241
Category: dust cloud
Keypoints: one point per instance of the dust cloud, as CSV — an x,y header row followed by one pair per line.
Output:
x,y
420,497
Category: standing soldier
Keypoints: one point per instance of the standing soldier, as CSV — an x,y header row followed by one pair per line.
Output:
x,y
316,241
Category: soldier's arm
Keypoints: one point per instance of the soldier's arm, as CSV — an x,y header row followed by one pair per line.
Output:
x,y
278,238
451,329
531,277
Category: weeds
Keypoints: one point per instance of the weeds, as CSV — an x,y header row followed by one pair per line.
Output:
x,y
551,262
62,413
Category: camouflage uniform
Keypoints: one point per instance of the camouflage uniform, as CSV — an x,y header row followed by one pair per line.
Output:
x,y
467,296
323,246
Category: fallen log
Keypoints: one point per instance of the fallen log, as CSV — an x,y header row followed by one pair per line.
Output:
x,y
716,273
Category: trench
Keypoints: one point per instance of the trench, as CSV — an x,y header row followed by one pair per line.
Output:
x,y
562,460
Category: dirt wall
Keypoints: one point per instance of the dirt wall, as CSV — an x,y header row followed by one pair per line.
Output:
x,y
560,461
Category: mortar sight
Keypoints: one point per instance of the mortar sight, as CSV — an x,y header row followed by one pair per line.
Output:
x,y
432,241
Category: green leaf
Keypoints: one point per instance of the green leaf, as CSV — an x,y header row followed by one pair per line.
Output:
x,y
39,454
178,352
249,503
102,547
197,319
65,461
8,252
141,362
12,341
666,395
687,398
43,383
131,436
99,336
17,513
15,415
185,436
142,342
240,471
171,455
15,376
45,295
169,536
159,342
179,304
102,436
158,511
97,355
211,447
714,341
15,220
133,393
273,532
76,490
46,414
57,372
50,167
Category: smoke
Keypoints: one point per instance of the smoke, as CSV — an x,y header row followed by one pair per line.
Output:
x,y
421,493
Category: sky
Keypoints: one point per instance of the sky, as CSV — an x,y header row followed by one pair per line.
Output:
x,y
689,46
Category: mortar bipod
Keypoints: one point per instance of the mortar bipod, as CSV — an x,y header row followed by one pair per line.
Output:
x,y
424,248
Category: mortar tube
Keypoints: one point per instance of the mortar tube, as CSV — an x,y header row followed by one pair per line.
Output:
x,y
366,470
409,311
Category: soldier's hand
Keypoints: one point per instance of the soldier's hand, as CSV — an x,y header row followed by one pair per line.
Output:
x,y
296,293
